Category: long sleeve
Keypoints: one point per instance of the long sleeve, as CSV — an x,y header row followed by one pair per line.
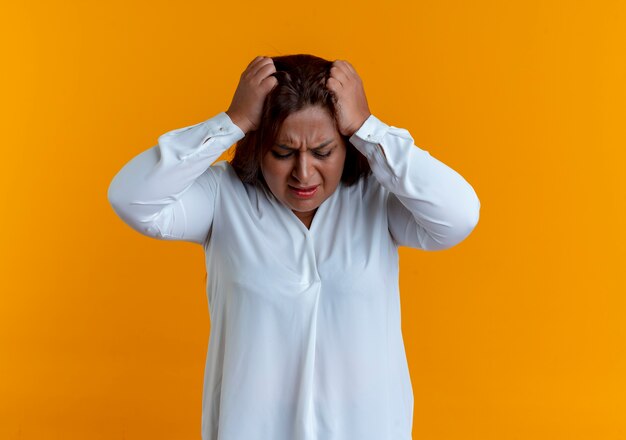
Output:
x,y
168,191
430,206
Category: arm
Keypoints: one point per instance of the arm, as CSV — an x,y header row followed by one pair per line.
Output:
x,y
430,206
167,192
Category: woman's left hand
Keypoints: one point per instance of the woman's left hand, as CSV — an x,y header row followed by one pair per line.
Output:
x,y
350,101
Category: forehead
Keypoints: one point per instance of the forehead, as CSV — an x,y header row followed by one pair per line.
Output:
x,y
310,124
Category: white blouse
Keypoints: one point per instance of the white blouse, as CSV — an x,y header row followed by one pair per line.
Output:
x,y
305,340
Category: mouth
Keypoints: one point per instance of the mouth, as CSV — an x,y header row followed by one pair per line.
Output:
x,y
303,192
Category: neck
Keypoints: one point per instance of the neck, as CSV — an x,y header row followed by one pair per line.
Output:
x,y
306,217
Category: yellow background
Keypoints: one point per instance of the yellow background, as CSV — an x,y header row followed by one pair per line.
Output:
x,y
519,332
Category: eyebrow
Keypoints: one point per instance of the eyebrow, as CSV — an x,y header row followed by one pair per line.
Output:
x,y
319,147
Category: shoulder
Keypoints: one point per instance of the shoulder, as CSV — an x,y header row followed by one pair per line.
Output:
x,y
366,195
223,177
367,188
223,170
215,174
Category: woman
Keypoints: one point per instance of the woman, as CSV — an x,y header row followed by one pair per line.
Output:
x,y
301,234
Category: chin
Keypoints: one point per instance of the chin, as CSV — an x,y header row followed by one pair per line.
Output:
x,y
303,205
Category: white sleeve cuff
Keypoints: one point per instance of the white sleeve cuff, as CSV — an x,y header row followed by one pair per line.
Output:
x,y
372,130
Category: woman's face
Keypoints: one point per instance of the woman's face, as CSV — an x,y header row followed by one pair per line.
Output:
x,y
309,153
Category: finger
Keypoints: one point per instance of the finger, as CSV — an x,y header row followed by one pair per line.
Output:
x,y
337,65
342,65
349,71
254,61
254,65
334,85
261,65
264,72
350,67
269,83
340,75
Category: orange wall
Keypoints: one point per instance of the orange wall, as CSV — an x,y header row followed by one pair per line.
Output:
x,y
519,332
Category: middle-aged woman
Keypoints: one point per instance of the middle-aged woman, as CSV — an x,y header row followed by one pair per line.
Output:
x,y
301,233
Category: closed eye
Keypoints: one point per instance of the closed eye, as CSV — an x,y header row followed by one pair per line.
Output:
x,y
285,156
322,155
280,156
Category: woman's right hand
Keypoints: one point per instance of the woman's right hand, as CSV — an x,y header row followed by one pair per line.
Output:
x,y
254,85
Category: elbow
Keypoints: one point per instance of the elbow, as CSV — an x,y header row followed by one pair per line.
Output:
x,y
473,215
148,222
468,227
119,201
115,196
116,200
466,222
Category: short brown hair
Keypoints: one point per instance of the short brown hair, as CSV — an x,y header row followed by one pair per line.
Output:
x,y
301,83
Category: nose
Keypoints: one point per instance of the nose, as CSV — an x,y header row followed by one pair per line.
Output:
x,y
303,169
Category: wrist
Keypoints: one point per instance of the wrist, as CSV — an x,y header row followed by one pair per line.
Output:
x,y
238,121
358,124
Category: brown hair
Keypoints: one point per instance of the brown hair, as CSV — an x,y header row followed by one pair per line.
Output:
x,y
301,83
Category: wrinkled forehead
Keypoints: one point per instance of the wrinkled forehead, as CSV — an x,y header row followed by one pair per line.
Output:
x,y
311,126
